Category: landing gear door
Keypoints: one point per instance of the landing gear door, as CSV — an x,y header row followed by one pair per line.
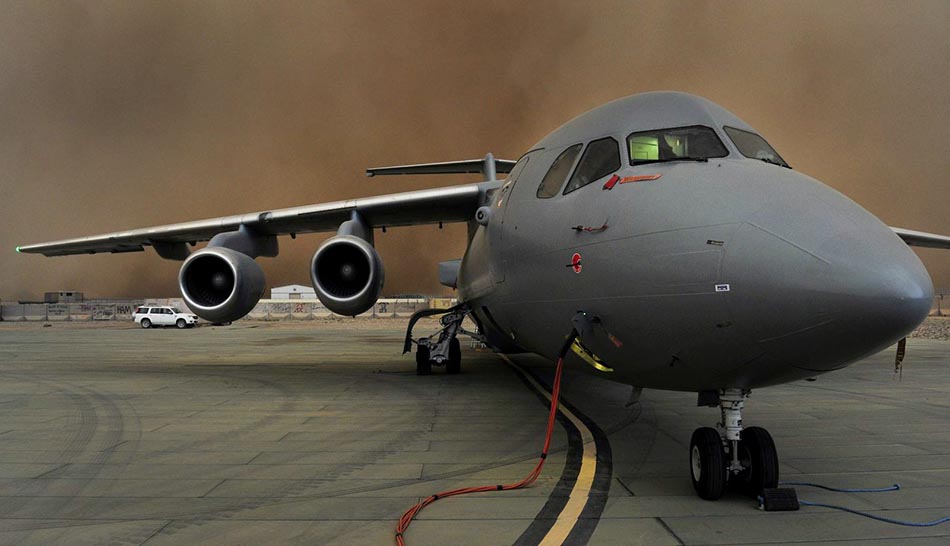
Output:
x,y
496,225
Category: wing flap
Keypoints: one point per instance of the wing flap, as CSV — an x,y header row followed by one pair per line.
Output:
x,y
450,204
922,239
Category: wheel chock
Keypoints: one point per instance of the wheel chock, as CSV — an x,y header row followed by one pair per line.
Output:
x,y
779,499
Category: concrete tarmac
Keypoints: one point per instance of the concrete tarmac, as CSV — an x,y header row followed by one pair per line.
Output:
x,y
321,433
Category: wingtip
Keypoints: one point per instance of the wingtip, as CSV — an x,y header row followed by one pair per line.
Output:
x,y
18,250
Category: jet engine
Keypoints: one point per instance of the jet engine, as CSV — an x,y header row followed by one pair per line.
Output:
x,y
347,274
220,284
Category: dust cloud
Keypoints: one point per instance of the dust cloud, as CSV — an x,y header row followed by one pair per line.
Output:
x,y
116,115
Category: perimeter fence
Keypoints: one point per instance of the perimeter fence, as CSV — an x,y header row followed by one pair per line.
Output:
x,y
271,310
59,312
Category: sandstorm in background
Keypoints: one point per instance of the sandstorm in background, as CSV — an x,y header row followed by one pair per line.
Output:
x,y
116,115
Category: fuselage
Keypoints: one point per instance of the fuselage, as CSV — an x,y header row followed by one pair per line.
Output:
x,y
723,272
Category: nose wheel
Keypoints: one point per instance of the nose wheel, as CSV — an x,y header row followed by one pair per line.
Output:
x,y
759,460
707,463
745,458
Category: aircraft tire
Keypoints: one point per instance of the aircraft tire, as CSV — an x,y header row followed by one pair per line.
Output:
x,y
423,364
454,364
146,323
758,454
707,463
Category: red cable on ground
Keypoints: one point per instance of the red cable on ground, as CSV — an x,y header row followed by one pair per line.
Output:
x,y
406,518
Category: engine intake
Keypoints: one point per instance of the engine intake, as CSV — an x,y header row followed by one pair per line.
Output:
x,y
220,284
347,274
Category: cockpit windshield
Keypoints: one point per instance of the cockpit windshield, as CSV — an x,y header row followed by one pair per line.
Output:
x,y
754,146
696,143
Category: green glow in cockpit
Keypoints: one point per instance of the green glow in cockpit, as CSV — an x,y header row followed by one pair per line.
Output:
x,y
644,148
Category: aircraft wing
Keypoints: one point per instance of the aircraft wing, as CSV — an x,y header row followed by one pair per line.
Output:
x,y
448,204
920,238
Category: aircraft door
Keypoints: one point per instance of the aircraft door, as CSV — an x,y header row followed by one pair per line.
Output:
x,y
497,228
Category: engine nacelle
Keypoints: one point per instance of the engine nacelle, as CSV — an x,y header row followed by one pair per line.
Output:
x,y
347,274
220,284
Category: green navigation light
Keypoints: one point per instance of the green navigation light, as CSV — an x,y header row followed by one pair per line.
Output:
x,y
18,249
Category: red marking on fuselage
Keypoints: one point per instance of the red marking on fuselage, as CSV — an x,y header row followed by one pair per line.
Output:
x,y
640,178
609,185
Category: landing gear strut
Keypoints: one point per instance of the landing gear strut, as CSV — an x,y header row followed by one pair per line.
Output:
x,y
441,348
746,458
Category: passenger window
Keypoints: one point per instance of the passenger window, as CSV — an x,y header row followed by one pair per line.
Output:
x,y
601,158
558,172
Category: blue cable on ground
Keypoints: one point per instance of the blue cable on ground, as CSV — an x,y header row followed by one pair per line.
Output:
x,y
874,516
894,487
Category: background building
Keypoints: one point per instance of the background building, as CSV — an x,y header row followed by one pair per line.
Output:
x,y
293,292
63,296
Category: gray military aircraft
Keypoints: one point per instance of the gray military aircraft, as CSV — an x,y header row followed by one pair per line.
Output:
x,y
683,249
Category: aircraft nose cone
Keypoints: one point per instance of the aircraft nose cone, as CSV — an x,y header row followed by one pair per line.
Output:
x,y
818,282
880,287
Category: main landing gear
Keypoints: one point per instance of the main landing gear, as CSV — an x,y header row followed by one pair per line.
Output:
x,y
744,458
441,348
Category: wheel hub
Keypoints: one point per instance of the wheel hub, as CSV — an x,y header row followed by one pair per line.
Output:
x,y
695,460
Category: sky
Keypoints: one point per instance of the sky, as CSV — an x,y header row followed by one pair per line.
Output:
x,y
125,114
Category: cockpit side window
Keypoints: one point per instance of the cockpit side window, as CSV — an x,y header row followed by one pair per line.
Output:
x,y
558,172
601,158
508,187
516,170
696,143
753,146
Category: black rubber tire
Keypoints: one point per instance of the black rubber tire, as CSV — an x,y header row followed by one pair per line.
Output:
x,y
423,364
181,324
758,455
454,364
707,463
146,323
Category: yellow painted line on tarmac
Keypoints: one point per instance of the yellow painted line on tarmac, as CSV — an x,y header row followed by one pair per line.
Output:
x,y
569,515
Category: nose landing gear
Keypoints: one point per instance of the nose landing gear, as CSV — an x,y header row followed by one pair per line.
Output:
x,y
745,458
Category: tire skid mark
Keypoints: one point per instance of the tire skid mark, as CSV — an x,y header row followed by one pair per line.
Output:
x,y
86,400
296,492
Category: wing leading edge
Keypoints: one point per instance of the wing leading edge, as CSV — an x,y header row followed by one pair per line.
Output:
x,y
450,204
922,239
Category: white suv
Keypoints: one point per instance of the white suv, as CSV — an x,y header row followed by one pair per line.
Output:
x,y
163,316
